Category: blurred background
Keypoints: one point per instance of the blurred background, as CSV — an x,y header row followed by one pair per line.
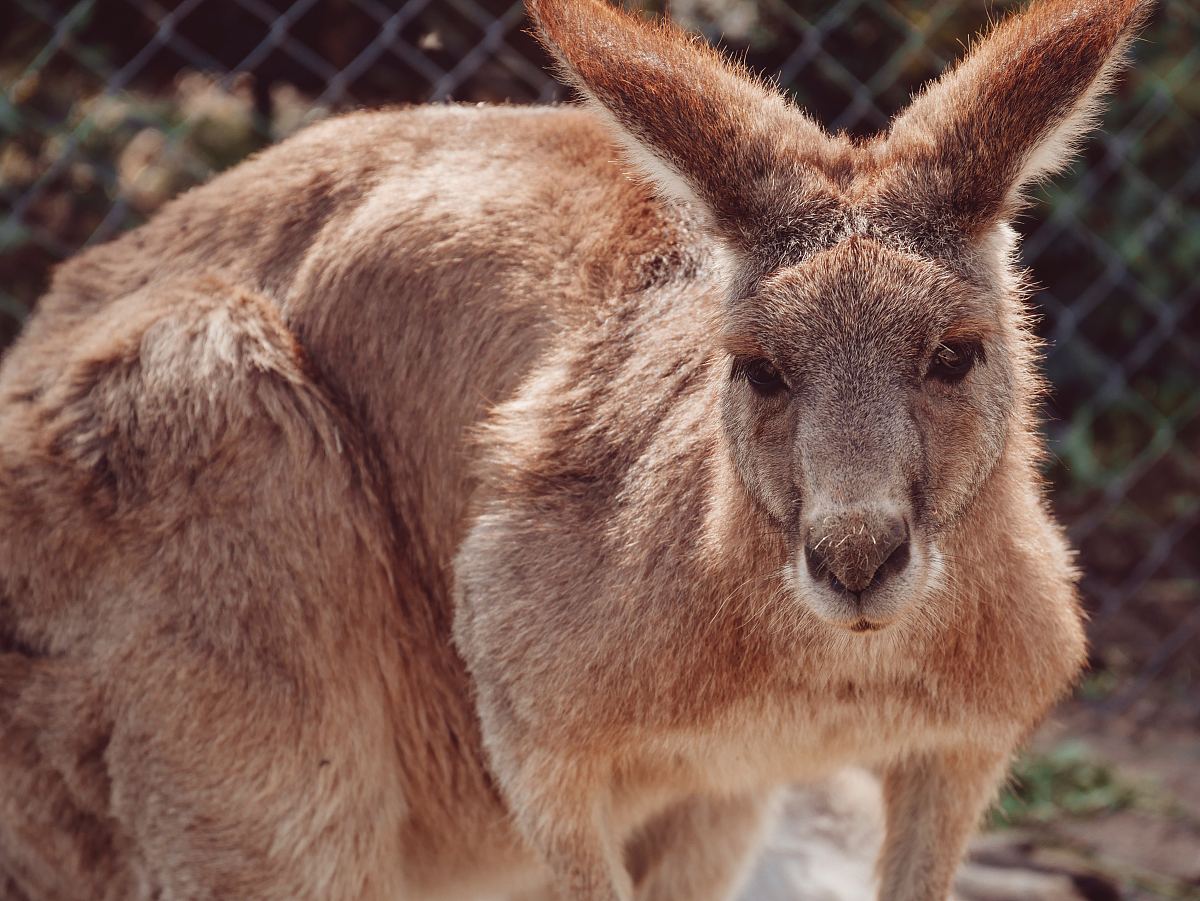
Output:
x,y
111,107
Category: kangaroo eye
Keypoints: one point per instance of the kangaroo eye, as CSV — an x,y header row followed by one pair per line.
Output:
x,y
953,360
762,375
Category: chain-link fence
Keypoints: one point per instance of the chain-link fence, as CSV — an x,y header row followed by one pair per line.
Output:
x,y
112,106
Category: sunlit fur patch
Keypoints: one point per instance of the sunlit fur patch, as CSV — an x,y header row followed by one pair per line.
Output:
x,y
935,563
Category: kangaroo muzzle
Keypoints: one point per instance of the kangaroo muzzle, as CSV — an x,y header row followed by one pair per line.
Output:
x,y
856,552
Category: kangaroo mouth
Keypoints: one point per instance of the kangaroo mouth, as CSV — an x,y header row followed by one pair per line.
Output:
x,y
865,625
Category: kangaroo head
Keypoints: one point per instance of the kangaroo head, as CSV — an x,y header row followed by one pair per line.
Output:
x,y
875,361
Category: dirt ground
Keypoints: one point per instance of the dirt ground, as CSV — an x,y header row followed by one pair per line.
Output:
x,y
1150,847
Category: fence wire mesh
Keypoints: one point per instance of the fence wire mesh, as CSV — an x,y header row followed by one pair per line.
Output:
x,y
110,108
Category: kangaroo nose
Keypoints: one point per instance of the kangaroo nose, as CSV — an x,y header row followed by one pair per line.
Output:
x,y
856,552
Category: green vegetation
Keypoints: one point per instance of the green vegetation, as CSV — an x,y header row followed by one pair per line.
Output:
x,y
1066,781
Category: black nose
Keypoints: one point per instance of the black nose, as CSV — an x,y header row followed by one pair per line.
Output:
x,y
855,552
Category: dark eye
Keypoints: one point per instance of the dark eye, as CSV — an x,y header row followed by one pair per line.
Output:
x,y
762,375
953,359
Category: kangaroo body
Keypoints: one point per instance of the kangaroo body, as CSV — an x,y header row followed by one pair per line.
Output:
x,y
247,319
382,521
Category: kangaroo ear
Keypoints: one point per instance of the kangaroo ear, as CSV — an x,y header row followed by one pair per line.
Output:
x,y
1014,110
702,129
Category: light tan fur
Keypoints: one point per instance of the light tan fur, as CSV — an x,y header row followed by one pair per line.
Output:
x,y
426,509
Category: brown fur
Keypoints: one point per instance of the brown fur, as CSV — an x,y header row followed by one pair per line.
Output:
x,y
395,517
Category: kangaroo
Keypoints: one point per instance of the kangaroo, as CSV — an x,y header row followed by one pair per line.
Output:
x,y
505,502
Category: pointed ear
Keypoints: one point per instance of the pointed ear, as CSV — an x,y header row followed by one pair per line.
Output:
x,y
1014,110
702,129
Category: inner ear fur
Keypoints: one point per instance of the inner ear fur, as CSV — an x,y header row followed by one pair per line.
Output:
x,y
703,129
1012,112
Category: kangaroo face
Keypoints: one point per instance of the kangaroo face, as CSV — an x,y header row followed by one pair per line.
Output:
x,y
869,394
877,357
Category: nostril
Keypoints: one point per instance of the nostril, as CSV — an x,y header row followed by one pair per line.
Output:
x,y
818,563
821,566
895,563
